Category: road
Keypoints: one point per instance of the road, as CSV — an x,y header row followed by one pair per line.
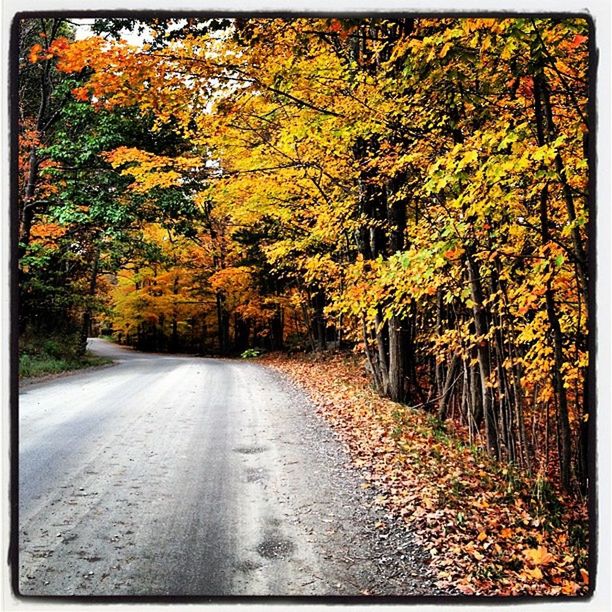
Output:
x,y
177,475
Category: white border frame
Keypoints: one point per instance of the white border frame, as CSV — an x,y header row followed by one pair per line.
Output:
x,y
601,13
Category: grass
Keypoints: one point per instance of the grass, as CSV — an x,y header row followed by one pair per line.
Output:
x,y
53,354
31,366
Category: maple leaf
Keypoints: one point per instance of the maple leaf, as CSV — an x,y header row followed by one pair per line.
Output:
x,y
538,556
81,94
570,587
535,573
335,26
35,53
578,40
526,86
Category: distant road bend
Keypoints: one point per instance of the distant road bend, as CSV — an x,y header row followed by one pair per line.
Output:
x,y
178,475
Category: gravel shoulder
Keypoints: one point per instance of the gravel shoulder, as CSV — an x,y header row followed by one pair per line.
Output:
x,y
368,551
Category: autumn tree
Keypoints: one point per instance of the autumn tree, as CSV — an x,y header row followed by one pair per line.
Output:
x,y
417,187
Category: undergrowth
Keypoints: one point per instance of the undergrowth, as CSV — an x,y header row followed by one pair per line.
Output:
x,y
39,356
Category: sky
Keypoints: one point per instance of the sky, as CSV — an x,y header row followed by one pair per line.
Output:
x,y
84,31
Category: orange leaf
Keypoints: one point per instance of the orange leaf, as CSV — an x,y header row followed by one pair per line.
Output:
x,y
578,40
34,52
585,576
335,26
81,94
538,556
570,588
482,536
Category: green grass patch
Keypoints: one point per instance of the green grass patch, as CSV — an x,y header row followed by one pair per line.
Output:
x,y
252,353
41,354
31,366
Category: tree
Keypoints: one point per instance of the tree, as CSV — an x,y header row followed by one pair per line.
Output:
x,y
417,187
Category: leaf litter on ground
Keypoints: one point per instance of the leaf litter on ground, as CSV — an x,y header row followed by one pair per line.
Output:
x,y
488,530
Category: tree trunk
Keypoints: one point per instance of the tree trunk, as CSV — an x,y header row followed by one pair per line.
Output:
x,y
174,334
446,394
371,358
397,387
565,443
382,353
27,215
318,320
276,329
241,334
222,325
482,328
87,315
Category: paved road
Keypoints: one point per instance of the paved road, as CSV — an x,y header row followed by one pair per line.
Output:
x,y
176,475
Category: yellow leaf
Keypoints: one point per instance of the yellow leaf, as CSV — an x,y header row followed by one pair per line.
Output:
x,y
428,503
482,536
535,573
570,588
445,49
538,556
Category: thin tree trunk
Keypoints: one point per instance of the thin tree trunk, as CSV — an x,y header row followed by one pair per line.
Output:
x,y
174,336
450,378
372,366
222,325
87,315
397,361
381,346
564,431
482,329
318,320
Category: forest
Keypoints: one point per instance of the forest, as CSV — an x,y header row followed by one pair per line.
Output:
x,y
412,193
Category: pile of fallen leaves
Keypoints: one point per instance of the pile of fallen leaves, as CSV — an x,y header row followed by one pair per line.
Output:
x,y
487,530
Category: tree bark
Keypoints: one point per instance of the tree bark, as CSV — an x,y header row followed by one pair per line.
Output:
x,y
564,439
450,379
222,324
482,328
87,315
318,320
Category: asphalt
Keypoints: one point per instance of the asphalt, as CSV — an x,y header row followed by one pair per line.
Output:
x,y
185,476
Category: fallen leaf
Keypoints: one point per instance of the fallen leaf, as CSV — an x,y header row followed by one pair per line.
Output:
x,y
538,556
535,573
570,588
